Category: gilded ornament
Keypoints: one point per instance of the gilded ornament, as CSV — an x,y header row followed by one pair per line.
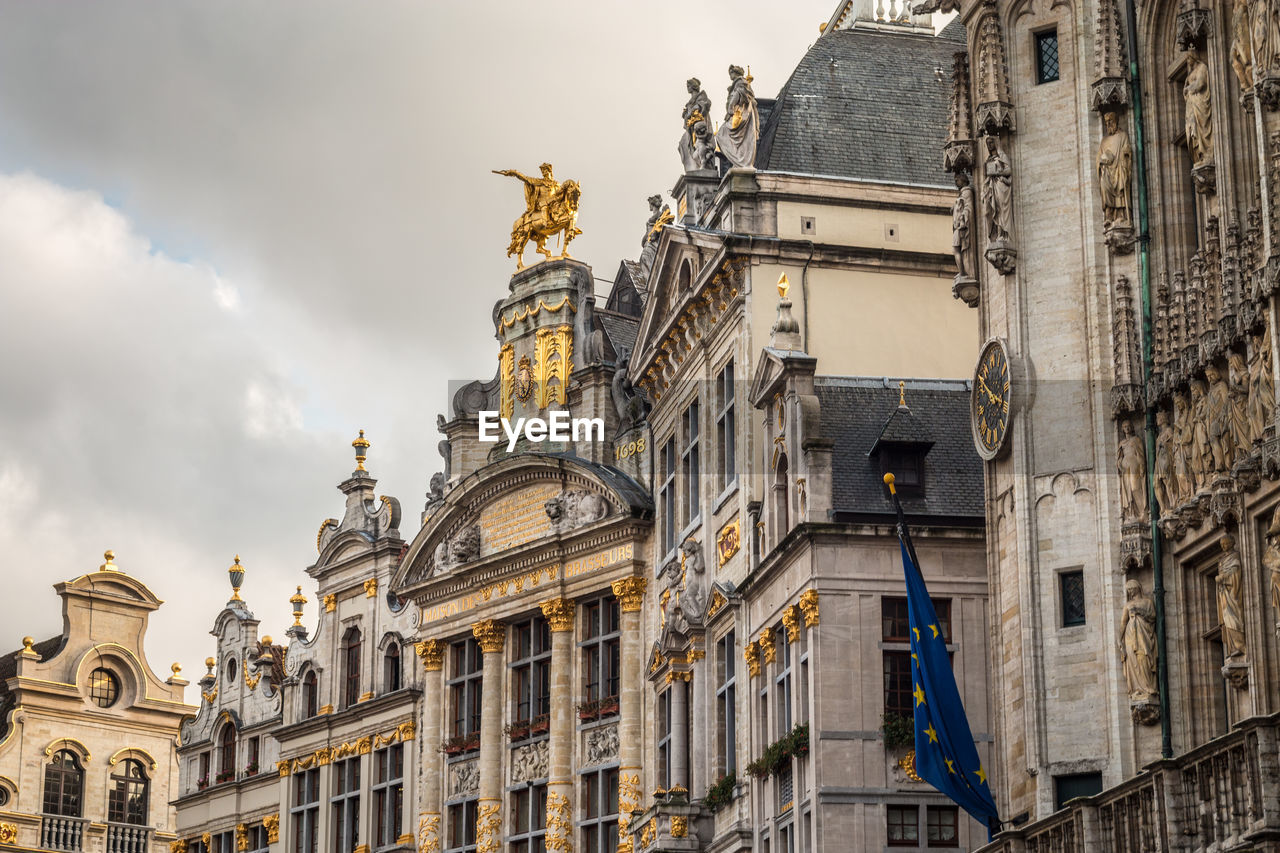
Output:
x,y
679,826
751,654
366,696
490,634
370,587
488,828
9,833
271,823
507,374
650,832
729,540
178,846
907,764
791,621
236,573
242,837
559,823
330,603
768,645
297,600
250,681
630,593
205,839
284,767
809,606
432,654
551,208
553,351
361,445
324,525
559,612
326,709
428,833
522,314
717,601
210,695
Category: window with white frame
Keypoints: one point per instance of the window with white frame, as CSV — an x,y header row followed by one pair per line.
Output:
x,y
345,805
388,795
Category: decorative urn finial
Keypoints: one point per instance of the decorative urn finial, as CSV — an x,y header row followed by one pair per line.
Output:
x,y
785,331
297,600
237,579
108,566
361,444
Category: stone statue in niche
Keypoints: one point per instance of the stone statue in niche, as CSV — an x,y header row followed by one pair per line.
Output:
x,y
1264,36
1242,43
575,507
1166,480
1115,173
1238,386
1199,122
1201,456
1271,562
1230,604
1131,462
1218,418
740,132
997,206
1262,395
1138,643
962,228
697,129
1184,457
627,399
693,596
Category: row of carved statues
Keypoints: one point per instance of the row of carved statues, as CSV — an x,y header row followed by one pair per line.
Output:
x,y
1215,423
736,138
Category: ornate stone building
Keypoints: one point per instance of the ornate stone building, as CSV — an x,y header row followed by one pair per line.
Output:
x,y
1125,158
88,730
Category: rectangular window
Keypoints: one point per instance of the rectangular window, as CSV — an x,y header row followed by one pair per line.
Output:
x,y
528,819
667,496
894,622
725,429
940,826
664,739
305,811
1071,785
223,842
904,831
465,687
897,684
254,749
602,657
1071,592
727,702
461,837
204,769
600,811
531,675
388,795
782,683
1047,56
691,466
257,839
345,805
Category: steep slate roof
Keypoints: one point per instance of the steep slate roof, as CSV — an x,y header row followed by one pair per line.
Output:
x,y
855,412
879,113
620,328
9,668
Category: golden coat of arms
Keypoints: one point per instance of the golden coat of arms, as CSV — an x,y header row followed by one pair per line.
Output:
x,y
550,208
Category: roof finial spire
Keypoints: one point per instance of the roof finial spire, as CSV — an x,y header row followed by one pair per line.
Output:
x,y
236,572
108,566
902,394
786,331
361,444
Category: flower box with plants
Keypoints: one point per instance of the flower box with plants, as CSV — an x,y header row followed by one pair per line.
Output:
x,y
777,755
598,709
460,744
224,776
202,783
899,730
720,794
252,769
532,727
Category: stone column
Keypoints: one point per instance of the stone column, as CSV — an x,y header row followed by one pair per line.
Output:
x,y
630,593
429,805
491,635
559,613
679,732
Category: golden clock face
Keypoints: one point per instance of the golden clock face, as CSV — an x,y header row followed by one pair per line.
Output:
x,y
992,398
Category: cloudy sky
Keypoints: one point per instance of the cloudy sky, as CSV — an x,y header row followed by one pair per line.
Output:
x,y
232,234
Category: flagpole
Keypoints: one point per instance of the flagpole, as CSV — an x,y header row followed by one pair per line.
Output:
x,y
903,533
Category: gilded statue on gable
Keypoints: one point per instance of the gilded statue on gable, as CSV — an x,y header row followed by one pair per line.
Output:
x,y
551,208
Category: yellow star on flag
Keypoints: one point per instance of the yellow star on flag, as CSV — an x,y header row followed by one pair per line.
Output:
x,y
919,694
935,631
916,659
932,733
917,630
981,774
950,767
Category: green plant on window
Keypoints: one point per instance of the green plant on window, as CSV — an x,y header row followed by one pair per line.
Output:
x,y
899,731
720,794
777,755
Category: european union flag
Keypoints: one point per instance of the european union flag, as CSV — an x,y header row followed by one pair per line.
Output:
x,y
945,755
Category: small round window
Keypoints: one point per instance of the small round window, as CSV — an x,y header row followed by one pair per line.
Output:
x,y
231,670
104,687
4,797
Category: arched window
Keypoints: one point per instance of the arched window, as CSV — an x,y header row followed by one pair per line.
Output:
x,y
310,694
129,793
227,753
351,667
391,667
781,504
104,687
63,784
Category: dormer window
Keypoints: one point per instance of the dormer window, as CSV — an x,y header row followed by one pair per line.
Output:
x,y
906,463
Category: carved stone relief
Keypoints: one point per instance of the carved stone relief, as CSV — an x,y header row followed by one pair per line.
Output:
x,y
529,762
574,508
464,778
602,745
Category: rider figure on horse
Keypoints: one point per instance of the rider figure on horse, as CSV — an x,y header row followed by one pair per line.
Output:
x,y
549,208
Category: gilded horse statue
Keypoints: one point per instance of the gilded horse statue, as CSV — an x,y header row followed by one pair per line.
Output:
x,y
550,208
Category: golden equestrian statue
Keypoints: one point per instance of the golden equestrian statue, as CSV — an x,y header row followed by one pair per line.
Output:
x,y
550,208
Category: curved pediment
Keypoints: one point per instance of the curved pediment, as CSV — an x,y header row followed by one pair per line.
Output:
x,y
514,503
112,583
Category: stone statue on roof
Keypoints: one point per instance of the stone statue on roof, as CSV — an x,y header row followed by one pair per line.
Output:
x,y
740,132
697,146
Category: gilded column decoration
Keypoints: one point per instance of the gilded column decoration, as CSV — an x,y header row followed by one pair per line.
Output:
x,y
679,826
432,654
507,372
271,823
490,634
751,654
488,828
330,603
630,593
768,645
1138,653
559,612
559,823
9,835
428,833
1131,464
242,837
628,801
553,350
809,605
791,620
370,587
1199,122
